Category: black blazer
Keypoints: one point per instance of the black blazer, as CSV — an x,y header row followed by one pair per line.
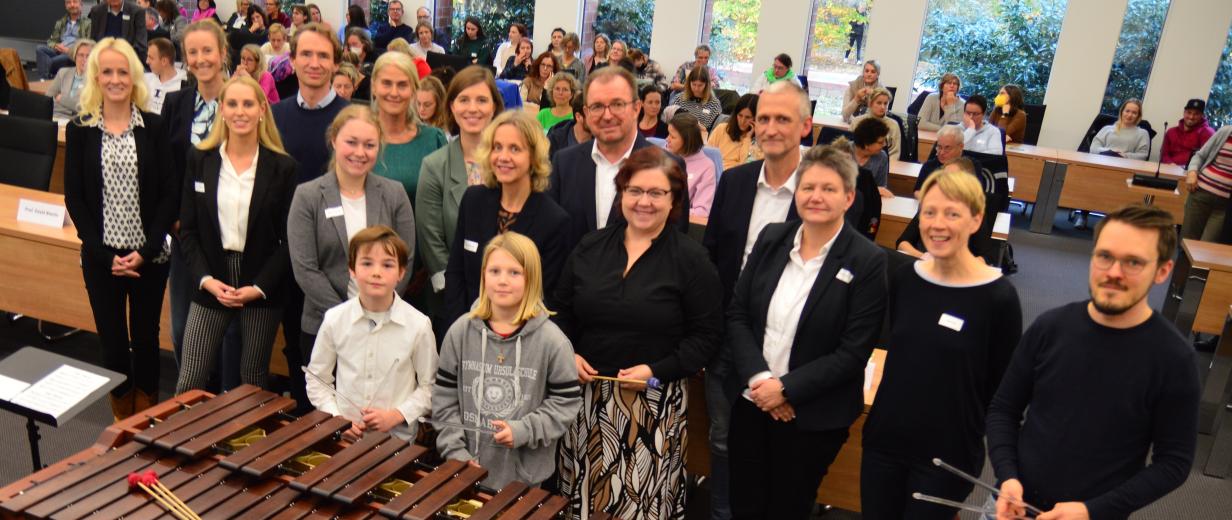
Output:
x,y
83,187
573,188
266,261
837,328
728,228
132,25
178,113
541,220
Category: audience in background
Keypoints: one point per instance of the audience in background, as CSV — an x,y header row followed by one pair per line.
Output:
x,y
441,36
684,138
1009,114
558,40
599,48
55,55
618,52
274,15
535,86
253,32
358,43
152,29
699,98
649,122
385,31
878,108
423,39
867,147
779,71
570,132
701,58
949,148
943,107
314,14
65,89
569,61
518,65
355,19
856,97
648,71
171,20
471,43
430,103
238,19
1189,134
345,79
509,48
252,64
734,137
163,77
1124,138
563,87
299,17
206,10
277,45
978,135
120,19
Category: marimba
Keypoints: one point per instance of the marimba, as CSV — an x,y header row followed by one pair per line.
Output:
x,y
238,455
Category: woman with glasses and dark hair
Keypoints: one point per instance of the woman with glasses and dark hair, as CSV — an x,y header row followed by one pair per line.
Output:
x,y
734,138
640,302
649,122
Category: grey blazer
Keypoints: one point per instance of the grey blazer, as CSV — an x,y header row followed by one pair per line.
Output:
x,y
61,91
442,181
318,244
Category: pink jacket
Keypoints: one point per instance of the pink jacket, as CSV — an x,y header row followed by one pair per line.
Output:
x,y
267,85
702,180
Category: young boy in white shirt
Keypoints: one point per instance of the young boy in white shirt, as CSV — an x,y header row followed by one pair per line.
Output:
x,y
382,349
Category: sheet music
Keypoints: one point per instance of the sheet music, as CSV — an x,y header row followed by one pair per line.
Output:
x,y
60,390
10,387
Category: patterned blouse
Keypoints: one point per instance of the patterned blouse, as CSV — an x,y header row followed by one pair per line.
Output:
x,y
203,118
122,226
706,112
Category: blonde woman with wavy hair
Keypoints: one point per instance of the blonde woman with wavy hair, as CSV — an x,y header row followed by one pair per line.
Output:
x,y
233,233
123,195
407,141
513,161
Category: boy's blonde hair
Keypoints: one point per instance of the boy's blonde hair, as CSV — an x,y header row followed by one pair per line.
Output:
x,y
523,250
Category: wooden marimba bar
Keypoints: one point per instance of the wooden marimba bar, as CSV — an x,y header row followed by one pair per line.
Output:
x,y
238,455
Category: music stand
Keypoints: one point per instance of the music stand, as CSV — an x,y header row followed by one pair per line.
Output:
x,y
31,364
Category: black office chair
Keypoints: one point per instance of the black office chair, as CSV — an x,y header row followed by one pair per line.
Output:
x,y
27,151
893,94
803,81
914,107
909,127
1151,133
827,135
728,99
1099,122
1035,122
23,103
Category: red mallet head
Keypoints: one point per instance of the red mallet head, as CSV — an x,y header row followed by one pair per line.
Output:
x,y
133,480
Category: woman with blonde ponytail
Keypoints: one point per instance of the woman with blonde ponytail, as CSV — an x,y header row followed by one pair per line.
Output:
x,y
233,232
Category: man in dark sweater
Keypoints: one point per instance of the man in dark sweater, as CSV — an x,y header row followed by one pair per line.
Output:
x,y
383,33
1104,383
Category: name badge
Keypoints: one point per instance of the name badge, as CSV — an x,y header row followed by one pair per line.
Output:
x,y
951,322
705,110
844,275
333,212
470,245
199,186
126,18
41,213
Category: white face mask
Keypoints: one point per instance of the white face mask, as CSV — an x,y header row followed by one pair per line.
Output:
x,y
357,50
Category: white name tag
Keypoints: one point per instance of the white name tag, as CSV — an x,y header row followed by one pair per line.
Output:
x,y
470,245
41,213
951,322
126,18
199,186
844,275
333,212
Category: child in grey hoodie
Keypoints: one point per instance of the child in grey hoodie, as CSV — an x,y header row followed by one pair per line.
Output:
x,y
505,367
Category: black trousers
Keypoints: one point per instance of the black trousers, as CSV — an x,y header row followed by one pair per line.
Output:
x,y
776,467
127,312
887,481
292,313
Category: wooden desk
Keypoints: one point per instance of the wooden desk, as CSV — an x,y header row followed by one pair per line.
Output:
x,y
1214,417
896,213
903,177
1201,288
57,170
1026,164
40,87
841,487
1097,182
40,273
924,143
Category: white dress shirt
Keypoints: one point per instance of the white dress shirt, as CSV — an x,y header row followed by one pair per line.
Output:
x,y
605,183
234,199
770,205
388,361
355,218
985,140
786,305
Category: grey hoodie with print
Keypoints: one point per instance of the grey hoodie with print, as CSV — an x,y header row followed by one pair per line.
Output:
x,y
528,380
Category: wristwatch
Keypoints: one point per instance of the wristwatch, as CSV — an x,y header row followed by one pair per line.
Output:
x,y
783,390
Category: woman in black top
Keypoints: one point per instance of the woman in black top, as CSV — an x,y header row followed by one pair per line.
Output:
x,y
519,65
233,231
254,32
638,300
513,158
122,195
649,124
954,324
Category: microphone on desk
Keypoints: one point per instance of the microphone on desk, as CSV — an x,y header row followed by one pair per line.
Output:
x,y
1154,181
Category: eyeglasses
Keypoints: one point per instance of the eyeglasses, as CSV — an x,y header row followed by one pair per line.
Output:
x,y
654,193
616,107
1130,266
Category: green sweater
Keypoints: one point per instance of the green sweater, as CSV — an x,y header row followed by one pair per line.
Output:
x,y
548,120
401,162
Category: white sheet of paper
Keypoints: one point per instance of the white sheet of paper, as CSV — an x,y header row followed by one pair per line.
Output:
x,y
10,387
60,390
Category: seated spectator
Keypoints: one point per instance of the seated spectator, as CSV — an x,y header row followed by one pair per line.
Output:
x,y
701,57
570,132
648,71
1189,134
152,29
619,52
1124,138
357,42
521,63
441,36
855,98
253,32
472,43
978,135
423,39
277,44
535,86
878,107
867,147
600,47
206,10
649,122
699,98
55,55
780,70
238,19
430,103
949,147
163,76
509,48
299,16
385,32
119,19
944,107
1009,114
274,15
980,244
363,87
684,138
252,64
355,19
66,88
345,79
563,87
569,61
734,137
421,64
558,42
171,20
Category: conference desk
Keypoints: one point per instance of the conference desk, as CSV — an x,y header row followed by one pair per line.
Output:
x,y
1201,287
40,272
925,139
1214,415
897,212
40,87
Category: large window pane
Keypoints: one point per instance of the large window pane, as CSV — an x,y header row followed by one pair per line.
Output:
x,y
835,50
733,39
627,20
989,43
1135,52
1219,104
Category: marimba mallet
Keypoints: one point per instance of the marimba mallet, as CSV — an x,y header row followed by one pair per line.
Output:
x,y
959,505
337,395
148,482
650,383
966,476
460,426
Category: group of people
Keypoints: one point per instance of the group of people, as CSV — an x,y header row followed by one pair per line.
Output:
x,y
533,292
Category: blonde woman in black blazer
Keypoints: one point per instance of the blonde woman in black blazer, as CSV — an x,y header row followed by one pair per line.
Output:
x,y
122,195
238,187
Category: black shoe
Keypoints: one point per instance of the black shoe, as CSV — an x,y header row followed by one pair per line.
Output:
x,y
1206,345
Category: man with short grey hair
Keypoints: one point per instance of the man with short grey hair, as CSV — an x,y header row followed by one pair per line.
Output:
x,y
701,56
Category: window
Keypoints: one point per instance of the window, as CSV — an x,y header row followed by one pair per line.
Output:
x,y
733,41
989,43
495,17
835,50
1219,104
1135,52
627,20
